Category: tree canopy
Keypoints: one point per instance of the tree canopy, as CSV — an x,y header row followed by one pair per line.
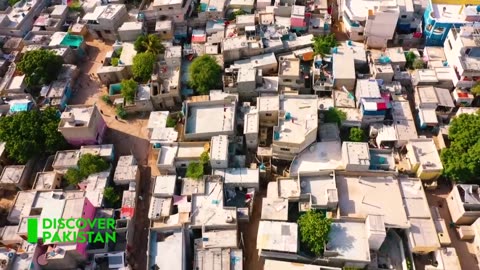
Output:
x,y
322,45
334,115
205,74
461,161
129,89
418,64
111,195
194,170
314,229
31,133
357,135
87,164
143,64
149,43
475,89
410,58
40,67
236,13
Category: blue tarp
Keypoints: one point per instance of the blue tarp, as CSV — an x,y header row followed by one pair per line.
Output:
x,y
20,107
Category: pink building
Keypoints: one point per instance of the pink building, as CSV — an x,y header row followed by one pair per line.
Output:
x,y
82,125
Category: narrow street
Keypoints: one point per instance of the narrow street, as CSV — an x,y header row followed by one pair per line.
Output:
x,y
142,223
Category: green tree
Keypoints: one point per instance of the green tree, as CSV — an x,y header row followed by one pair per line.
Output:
x,y
120,112
89,164
143,64
418,64
461,161
171,122
73,176
475,89
129,89
334,115
204,158
194,170
13,2
31,133
204,74
40,67
111,195
357,135
322,45
410,58
314,229
115,61
236,13
149,43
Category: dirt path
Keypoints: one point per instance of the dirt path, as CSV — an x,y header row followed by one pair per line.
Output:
x,y
465,250
249,230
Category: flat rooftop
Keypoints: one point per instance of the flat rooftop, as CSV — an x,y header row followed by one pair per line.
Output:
x,y
268,103
233,176
321,187
12,174
448,13
45,180
277,236
281,265
343,64
303,113
426,153
319,156
210,117
350,240
274,208
358,9
356,153
208,210
289,67
169,253
362,196
164,186
79,114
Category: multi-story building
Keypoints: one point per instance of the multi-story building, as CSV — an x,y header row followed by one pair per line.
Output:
x,y
372,21
440,16
18,20
297,125
104,21
82,125
462,51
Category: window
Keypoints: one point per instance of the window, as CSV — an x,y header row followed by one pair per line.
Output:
x,y
449,44
467,51
108,32
218,162
285,149
183,165
268,114
170,7
164,32
287,80
439,30
403,16
360,33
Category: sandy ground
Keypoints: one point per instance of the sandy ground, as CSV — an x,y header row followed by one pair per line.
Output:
x,y
129,136
465,250
249,233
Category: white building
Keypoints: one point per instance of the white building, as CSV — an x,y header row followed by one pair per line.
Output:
x,y
104,21
297,125
373,21
219,152
250,129
464,204
126,171
422,235
356,156
18,20
424,159
462,53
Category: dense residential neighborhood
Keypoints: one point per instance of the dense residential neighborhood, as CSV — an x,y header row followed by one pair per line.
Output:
x,y
240,135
